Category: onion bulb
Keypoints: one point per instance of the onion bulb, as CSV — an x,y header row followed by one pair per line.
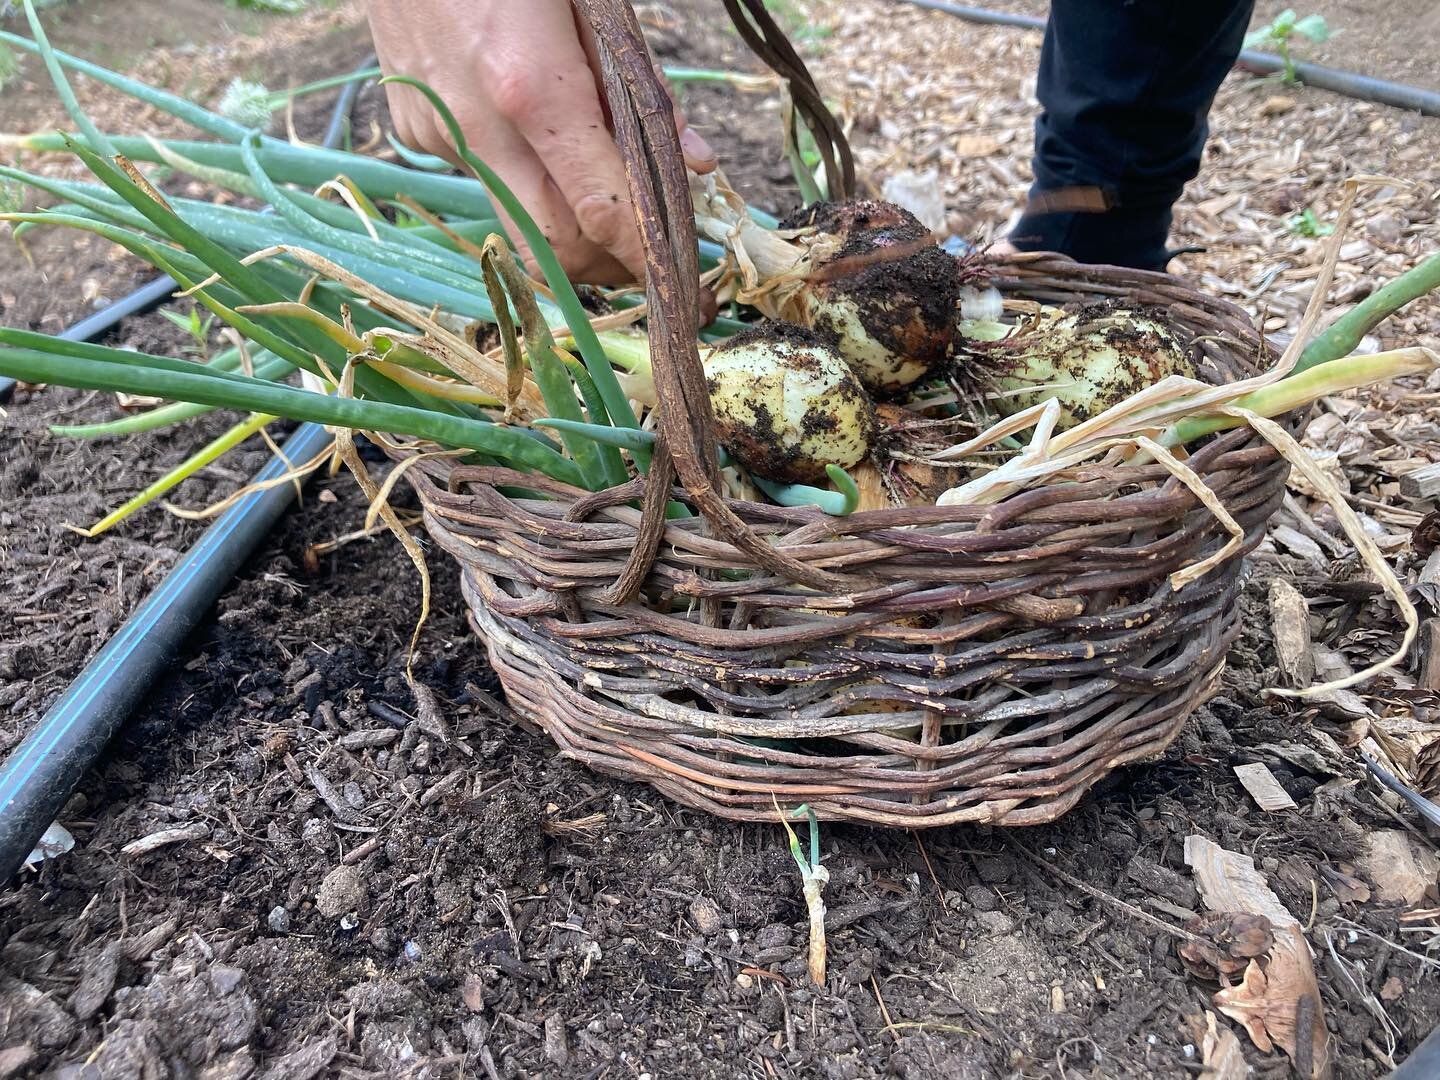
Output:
x,y
786,405
866,272
887,293
1087,360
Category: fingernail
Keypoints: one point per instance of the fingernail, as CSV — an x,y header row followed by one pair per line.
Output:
x,y
697,150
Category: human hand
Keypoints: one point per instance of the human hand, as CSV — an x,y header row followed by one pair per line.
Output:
x,y
523,81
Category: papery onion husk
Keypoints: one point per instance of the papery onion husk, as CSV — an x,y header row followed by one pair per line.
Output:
x,y
786,404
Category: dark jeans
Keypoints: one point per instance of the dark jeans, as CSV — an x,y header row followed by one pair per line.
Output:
x,y
1125,87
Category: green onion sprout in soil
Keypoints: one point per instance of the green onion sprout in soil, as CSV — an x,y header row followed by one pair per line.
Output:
x,y
870,368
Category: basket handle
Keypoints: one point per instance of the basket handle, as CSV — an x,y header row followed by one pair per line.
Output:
x,y
644,119
767,41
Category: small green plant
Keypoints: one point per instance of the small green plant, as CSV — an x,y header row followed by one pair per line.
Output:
x,y
195,326
1308,223
813,878
1279,33
281,7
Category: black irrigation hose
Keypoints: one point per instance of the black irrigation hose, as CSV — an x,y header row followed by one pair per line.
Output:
x,y
39,776
1348,83
1423,1062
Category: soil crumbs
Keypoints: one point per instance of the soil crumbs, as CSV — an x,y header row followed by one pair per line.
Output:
x,y
334,886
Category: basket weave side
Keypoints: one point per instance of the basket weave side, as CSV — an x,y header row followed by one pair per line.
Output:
x,y
984,663
915,666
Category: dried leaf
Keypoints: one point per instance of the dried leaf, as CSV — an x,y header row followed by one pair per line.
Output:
x,y
1425,537
1348,888
1228,942
1278,1004
1249,1005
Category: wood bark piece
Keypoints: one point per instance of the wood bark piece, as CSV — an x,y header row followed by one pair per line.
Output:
x,y
1421,483
1430,654
1296,542
1290,623
195,831
1260,782
1277,1003
1220,1052
1402,870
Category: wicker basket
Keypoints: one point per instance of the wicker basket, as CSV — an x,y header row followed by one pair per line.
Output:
x,y
906,667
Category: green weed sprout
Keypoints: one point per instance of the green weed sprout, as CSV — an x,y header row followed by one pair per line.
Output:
x,y
1307,223
1279,34
813,879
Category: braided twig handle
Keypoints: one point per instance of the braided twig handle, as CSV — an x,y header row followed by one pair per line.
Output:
x,y
767,41
644,120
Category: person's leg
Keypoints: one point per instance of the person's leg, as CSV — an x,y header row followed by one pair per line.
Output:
x,y
1125,87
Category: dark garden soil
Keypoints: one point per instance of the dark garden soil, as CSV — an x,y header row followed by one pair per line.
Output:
x,y
359,893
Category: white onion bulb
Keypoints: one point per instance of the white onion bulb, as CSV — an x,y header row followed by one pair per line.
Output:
x,y
1087,360
786,404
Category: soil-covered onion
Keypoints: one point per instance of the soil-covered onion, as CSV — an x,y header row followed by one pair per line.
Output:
x,y
880,284
1087,360
865,271
786,404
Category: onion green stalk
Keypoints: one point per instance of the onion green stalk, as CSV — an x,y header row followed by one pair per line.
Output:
x,y
415,159
147,376
616,403
208,453
813,879
267,367
275,99
1302,388
1342,337
443,268
183,109
601,464
286,163
737,79
98,142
